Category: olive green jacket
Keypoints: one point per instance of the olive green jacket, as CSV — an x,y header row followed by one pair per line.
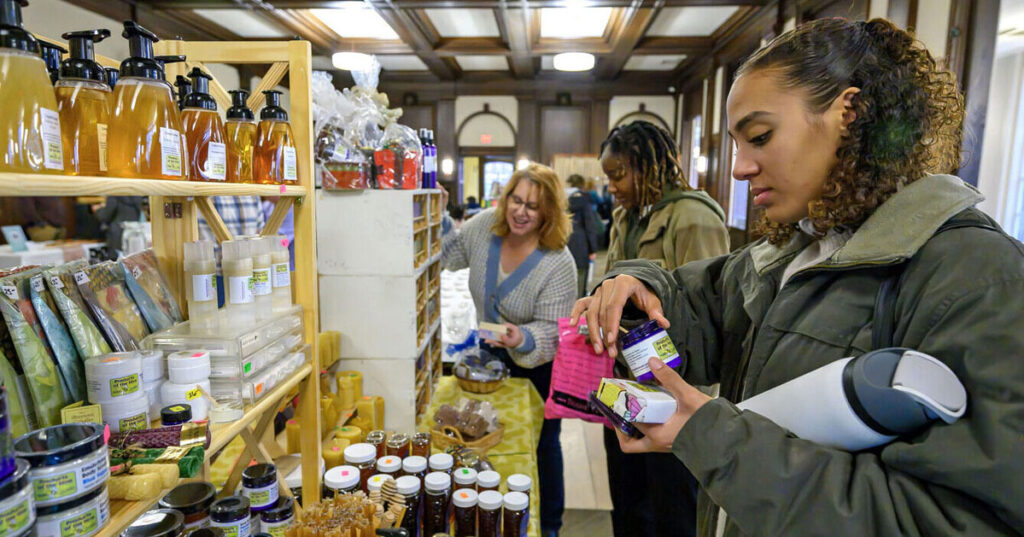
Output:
x,y
960,299
690,227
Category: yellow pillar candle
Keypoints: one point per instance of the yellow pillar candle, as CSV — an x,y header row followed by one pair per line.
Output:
x,y
366,411
341,443
362,423
292,434
353,435
330,413
357,383
378,412
334,457
346,391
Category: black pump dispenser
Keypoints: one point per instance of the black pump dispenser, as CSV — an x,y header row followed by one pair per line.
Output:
x,y
112,75
141,64
82,63
184,88
164,60
273,110
12,35
200,96
239,109
52,55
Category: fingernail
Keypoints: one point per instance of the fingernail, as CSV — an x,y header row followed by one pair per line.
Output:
x,y
597,349
656,364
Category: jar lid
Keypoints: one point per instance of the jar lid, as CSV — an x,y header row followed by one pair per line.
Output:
x,y
374,435
175,414
115,363
16,481
465,476
519,483
414,464
490,500
377,481
438,482
157,523
464,498
389,464
205,532
398,439
408,484
190,498
258,476
441,461
230,509
516,501
58,444
69,505
641,332
341,477
488,479
282,510
360,453
188,359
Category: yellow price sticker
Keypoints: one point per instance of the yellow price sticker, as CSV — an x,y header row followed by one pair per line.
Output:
x,y
193,394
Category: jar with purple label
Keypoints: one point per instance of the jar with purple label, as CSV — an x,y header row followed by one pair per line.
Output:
x,y
645,342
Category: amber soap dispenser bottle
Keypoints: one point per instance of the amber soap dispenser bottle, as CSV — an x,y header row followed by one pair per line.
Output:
x,y
204,131
83,100
274,159
241,130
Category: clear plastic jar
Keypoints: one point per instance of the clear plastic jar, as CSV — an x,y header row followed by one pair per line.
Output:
x,y
364,458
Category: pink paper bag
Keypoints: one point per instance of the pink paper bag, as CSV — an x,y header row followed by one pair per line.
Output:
x,y
576,372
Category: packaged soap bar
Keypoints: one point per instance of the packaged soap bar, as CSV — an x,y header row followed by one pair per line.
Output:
x,y
68,362
18,404
150,291
87,337
34,355
635,402
102,287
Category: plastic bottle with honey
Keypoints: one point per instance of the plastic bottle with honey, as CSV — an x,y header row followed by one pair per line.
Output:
x,y
204,131
53,55
274,159
145,134
29,122
83,100
241,130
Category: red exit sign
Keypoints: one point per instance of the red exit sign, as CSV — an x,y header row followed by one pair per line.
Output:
x,y
485,139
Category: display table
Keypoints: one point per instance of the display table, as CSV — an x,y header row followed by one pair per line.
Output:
x,y
521,409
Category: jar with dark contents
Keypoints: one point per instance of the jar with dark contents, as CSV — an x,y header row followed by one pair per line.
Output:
x,y
399,445
489,504
515,515
464,502
390,465
378,440
364,458
464,478
278,518
442,462
520,483
489,480
436,499
259,484
421,445
409,488
341,480
231,514
193,500
415,466
157,523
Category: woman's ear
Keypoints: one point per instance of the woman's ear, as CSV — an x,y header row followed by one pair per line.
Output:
x,y
845,100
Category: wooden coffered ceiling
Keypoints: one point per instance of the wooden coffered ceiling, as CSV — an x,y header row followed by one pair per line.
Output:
x,y
438,41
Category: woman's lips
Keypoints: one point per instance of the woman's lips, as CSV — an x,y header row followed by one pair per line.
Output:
x,y
761,195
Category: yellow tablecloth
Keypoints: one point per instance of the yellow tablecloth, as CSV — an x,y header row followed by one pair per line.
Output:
x,y
521,409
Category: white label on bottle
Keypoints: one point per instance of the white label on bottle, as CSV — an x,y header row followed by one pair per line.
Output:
x,y
282,276
261,282
49,130
101,137
240,288
81,277
37,284
217,161
170,151
431,163
55,282
204,287
10,292
290,171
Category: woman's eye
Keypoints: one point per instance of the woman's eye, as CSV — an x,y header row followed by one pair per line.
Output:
x,y
762,139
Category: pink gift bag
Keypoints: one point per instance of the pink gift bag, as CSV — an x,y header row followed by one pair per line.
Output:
x,y
576,372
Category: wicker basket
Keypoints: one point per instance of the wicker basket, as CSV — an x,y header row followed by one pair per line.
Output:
x,y
447,436
479,386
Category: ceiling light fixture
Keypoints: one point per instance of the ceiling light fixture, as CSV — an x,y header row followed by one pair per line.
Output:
x,y
447,166
574,61
351,61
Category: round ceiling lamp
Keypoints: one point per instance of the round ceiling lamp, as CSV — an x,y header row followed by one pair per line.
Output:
x,y
350,61
574,61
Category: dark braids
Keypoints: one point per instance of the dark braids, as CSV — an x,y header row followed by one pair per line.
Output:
x,y
652,154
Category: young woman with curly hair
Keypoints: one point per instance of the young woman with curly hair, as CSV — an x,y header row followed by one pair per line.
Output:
x,y
845,132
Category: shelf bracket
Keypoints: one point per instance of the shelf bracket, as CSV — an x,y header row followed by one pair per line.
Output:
x,y
213,219
277,217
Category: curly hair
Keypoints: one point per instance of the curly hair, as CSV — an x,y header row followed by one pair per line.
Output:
x,y
555,226
909,112
652,154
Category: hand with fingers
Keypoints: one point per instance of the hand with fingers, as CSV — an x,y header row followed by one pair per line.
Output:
x,y
512,339
660,437
603,310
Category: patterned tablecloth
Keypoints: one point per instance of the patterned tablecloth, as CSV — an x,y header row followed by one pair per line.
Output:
x,y
521,409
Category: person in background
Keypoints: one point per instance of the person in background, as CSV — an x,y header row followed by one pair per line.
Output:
x,y
243,216
522,275
843,131
586,230
658,217
458,215
114,213
472,207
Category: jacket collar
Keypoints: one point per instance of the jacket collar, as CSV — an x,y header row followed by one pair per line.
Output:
x,y
894,232
663,211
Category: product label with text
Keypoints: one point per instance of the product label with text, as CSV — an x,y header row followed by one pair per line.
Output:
x,y
290,172
170,152
16,518
124,385
101,138
261,282
49,130
282,276
137,422
216,162
204,287
240,289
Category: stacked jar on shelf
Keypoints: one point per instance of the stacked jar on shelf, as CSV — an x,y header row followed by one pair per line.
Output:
x,y
77,118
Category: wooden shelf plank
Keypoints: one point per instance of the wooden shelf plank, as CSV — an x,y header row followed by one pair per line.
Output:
x,y
123,513
27,184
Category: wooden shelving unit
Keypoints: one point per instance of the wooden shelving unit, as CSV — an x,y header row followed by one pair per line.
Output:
x,y
175,207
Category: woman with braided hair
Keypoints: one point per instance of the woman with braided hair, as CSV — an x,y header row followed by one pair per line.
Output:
x,y
658,217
